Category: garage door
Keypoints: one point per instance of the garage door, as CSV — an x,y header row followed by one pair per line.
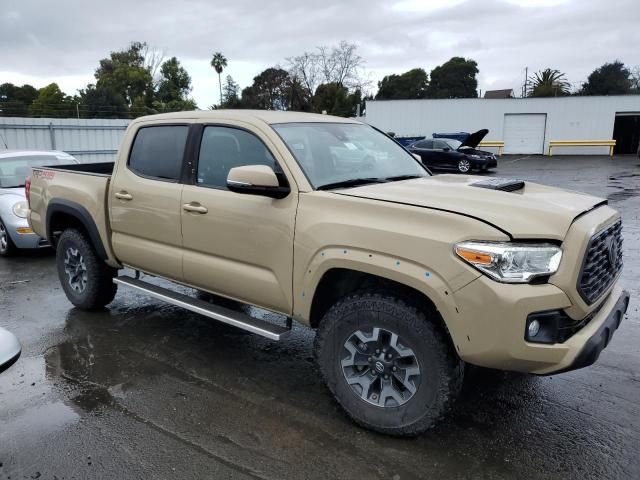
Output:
x,y
524,133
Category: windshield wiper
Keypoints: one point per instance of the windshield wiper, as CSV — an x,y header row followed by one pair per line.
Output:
x,y
403,177
354,182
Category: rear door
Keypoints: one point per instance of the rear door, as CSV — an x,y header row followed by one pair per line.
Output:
x,y
424,148
238,245
145,201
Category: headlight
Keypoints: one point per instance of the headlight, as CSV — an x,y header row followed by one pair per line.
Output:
x,y
511,262
21,209
474,156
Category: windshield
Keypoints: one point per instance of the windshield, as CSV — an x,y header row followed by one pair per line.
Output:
x,y
14,170
453,144
345,153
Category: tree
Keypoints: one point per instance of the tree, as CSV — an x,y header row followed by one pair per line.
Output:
x,y
126,74
99,102
549,83
230,94
635,79
454,79
270,90
609,79
15,101
175,82
219,63
52,102
335,99
411,84
340,64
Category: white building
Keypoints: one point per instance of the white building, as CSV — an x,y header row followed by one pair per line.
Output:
x,y
526,125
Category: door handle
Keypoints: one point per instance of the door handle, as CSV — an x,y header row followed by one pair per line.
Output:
x,y
123,196
195,208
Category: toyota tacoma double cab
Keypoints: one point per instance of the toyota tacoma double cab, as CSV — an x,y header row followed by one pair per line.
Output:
x,y
407,277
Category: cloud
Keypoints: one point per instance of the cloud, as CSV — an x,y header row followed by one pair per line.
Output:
x,y
63,41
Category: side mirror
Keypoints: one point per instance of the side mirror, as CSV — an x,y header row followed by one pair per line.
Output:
x,y
9,349
446,149
417,157
256,180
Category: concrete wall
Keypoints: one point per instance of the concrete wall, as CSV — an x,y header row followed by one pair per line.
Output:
x,y
89,140
568,118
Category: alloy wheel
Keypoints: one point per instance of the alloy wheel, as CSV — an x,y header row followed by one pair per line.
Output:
x,y
4,238
380,368
75,269
464,165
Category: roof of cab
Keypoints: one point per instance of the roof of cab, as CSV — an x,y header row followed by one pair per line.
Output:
x,y
267,116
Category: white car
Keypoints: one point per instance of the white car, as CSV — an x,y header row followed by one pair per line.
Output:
x,y
15,167
9,349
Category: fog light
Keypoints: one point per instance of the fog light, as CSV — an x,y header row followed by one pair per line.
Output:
x,y
534,328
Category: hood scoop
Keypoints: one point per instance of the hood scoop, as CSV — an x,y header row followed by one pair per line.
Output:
x,y
501,184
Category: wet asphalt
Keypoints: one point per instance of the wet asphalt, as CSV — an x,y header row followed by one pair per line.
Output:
x,y
146,390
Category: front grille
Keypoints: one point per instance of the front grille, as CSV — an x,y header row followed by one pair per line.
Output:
x,y
602,263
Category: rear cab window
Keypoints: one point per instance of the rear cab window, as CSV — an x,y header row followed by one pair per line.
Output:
x,y
158,152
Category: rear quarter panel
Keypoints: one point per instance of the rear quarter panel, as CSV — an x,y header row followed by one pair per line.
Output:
x,y
87,190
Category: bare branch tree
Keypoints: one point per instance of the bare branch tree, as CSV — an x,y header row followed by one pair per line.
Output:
x,y
305,68
338,64
635,78
153,58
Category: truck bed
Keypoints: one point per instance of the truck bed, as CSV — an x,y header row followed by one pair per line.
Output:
x,y
103,168
81,188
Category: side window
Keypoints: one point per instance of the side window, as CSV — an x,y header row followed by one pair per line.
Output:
x,y
224,148
158,151
441,145
425,144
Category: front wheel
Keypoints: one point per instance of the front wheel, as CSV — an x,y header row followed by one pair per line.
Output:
x,y
387,364
86,279
464,165
7,247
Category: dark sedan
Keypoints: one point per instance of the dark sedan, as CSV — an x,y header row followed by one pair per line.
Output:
x,y
447,153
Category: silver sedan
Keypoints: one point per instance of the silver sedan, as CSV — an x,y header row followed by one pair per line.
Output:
x,y
15,167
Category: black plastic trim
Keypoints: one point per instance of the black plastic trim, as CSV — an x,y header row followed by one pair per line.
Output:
x,y
77,211
601,338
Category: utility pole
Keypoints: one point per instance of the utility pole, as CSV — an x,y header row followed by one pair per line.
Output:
x,y
77,111
526,79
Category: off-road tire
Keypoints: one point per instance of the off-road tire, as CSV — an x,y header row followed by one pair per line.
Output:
x,y
7,248
99,289
441,369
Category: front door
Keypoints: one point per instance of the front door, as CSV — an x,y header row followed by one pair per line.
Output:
x,y
144,201
237,245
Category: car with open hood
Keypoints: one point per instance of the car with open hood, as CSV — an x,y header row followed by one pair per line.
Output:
x,y
15,167
455,154
329,222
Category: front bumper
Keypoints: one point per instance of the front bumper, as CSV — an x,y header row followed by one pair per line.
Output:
x,y
602,336
494,318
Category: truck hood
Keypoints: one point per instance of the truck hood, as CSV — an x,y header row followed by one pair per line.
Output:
x,y
532,212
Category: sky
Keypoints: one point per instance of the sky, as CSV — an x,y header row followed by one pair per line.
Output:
x,y
44,41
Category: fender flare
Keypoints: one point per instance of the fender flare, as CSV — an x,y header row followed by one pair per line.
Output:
x,y
77,211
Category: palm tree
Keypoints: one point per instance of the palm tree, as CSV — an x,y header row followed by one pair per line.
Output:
x,y
219,62
549,83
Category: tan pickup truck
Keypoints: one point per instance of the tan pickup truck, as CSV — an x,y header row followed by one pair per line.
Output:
x,y
406,276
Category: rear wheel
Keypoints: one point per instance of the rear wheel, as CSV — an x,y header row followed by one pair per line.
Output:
x,y
85,278
464,165
7,247
388,366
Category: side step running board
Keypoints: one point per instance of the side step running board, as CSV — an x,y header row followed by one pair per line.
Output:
x,y
224,315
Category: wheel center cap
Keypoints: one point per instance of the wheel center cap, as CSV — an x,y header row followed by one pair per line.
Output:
x,y
379,366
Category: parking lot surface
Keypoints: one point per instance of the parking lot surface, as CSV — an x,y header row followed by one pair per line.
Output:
x,y
146,390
